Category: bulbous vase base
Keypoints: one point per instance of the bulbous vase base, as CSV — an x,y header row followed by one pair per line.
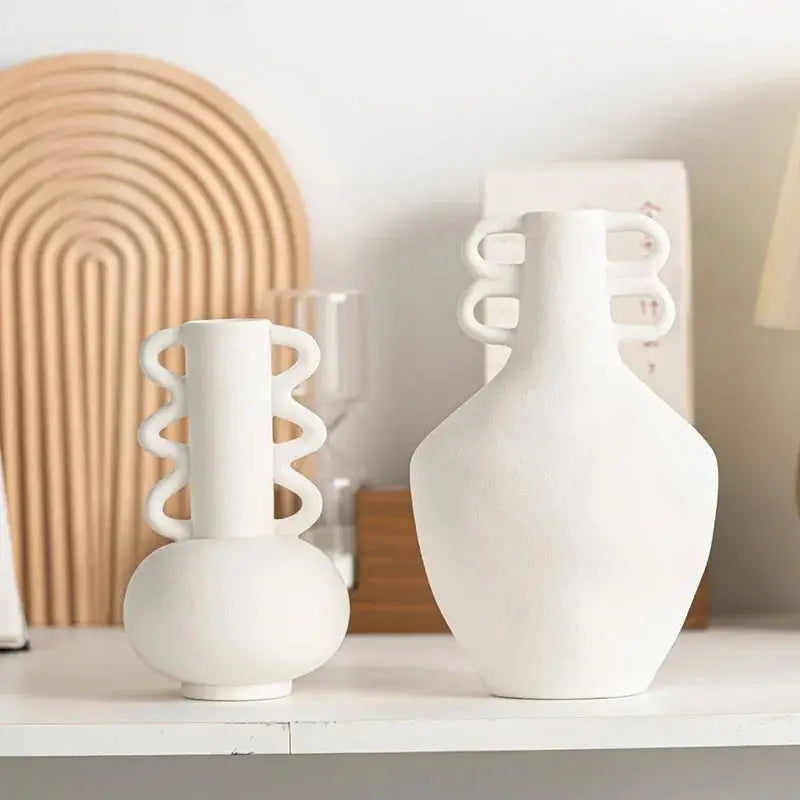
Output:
x,y
265,691
236,618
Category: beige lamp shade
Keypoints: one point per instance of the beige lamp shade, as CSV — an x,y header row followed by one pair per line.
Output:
x,y
778,303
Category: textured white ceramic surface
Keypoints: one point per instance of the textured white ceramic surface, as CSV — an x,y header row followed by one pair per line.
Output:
x,y
658,189
565,511
240,606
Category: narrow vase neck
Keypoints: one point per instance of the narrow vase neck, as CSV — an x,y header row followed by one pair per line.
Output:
x,y
229,404
565,311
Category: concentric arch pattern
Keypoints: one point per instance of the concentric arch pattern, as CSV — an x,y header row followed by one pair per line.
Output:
x,y
133,196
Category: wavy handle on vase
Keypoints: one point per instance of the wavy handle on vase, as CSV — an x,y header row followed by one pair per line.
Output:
x,y
639,277
313,429
153,442
492,280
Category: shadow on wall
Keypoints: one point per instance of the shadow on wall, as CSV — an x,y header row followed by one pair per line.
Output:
x,y
747,379
415,279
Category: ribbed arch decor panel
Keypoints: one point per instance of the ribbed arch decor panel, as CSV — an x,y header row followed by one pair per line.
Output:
x,y
133,196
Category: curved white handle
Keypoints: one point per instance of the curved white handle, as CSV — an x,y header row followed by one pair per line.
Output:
x,y
150,437
493,280
640,276
313,429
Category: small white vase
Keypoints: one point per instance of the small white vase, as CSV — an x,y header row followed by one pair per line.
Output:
x,y
239,606
565,512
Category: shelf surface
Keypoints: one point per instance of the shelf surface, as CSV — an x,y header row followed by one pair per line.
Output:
x,y
83,692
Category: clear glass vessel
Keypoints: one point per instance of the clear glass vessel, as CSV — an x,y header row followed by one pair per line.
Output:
x,y
337,321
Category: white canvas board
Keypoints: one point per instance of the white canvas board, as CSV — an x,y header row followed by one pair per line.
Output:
x,y
13,630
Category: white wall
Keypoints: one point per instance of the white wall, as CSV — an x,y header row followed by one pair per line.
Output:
x,y
389,112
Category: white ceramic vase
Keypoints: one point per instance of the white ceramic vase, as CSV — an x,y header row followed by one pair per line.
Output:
x,y
565,512
238,606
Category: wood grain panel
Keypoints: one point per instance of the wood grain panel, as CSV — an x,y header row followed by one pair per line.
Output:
x,y
698,613
392,594
133,196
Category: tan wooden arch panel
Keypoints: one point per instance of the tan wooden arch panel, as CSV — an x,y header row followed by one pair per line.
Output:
x,y
133,196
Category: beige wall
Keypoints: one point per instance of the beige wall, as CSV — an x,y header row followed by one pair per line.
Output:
x,y
390,113
748,379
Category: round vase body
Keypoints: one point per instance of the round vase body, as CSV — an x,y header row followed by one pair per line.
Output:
x,y
564,512
238,618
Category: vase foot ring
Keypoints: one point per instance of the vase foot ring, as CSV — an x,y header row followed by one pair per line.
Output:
x,y
264,691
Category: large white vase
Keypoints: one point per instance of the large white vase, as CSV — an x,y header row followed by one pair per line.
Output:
x,y
565,511
238,606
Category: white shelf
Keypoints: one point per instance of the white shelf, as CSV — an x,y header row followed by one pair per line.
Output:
x,y
83,692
